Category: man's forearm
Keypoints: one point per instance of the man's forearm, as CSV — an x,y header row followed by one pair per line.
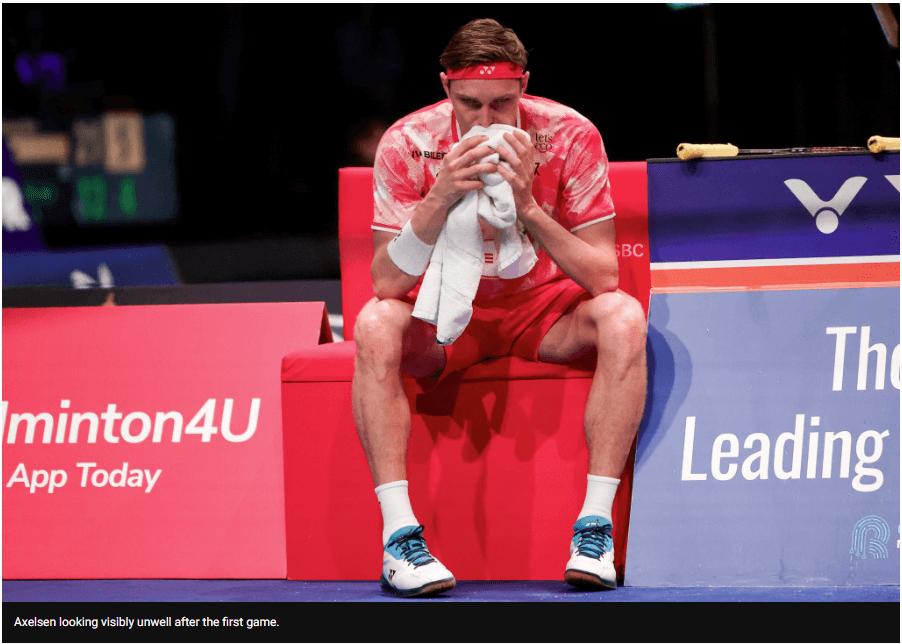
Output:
x,y
592,268
429,219
389,281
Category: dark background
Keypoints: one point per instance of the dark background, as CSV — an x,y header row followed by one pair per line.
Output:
x,y
268,100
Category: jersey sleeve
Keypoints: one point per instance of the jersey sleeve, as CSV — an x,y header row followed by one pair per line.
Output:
x,y
398,182
586,189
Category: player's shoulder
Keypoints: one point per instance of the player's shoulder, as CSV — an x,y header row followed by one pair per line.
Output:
x,y
546,107
544,111
429,122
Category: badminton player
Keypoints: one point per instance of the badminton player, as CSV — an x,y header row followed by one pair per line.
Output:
x,y
567,306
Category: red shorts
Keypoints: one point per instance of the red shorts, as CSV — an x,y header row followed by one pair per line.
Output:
x,y
513,325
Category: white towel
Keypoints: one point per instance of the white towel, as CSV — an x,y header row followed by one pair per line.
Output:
x,y
452,279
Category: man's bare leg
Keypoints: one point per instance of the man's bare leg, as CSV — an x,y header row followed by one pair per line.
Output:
x,y
389,339
614,407
614,324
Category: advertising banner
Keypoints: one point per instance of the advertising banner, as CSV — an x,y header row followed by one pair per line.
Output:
x,y
769,452
146,441
145,265
774,208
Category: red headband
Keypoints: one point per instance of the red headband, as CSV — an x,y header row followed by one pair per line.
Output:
x,y
490,71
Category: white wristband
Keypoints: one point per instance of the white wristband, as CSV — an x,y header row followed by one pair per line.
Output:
x,y
409,253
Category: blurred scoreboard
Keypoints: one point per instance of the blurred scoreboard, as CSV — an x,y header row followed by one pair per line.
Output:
x,y
115,169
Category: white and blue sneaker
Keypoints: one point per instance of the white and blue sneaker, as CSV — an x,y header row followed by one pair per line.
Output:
x,y
591,564
409,569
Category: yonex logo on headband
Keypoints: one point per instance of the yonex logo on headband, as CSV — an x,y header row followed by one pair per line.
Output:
x,y
482,71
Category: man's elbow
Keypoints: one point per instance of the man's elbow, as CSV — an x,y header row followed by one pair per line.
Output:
x,y
382,292
381,288
607,279
605,284
388,289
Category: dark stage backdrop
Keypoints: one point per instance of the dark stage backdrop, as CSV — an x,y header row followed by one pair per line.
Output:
x,y
269,100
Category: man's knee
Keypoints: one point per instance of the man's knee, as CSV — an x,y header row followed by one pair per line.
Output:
x,y
387,336
381,323
617,322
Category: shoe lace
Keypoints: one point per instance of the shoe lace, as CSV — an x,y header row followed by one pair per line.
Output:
x,y
594,541
413,547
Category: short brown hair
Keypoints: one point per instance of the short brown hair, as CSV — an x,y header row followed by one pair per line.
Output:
x,y
483,41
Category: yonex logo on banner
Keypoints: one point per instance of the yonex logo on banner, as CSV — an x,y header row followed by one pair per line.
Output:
x,y
826,213
870,536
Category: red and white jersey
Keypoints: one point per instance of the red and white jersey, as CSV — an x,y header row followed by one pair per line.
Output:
x,y
570,185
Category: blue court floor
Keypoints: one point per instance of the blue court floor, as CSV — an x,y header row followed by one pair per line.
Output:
x,y
187,590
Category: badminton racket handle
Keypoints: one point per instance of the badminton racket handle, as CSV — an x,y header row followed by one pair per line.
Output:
x,y
881,143
695,150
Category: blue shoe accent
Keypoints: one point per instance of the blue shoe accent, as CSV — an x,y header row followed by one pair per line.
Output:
x,y
408,544
592,536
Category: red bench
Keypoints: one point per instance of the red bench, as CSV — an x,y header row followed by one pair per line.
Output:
x,y
497,460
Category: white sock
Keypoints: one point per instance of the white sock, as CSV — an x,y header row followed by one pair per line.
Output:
x,y
396,510
599,501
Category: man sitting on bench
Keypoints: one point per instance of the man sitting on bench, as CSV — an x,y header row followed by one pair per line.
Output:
x,y
565,307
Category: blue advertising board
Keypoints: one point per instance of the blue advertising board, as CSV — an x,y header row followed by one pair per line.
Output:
x,y
774,208
769,451
105,267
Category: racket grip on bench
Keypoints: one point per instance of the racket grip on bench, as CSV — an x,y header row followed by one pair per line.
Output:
x,y
881,143
695,150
